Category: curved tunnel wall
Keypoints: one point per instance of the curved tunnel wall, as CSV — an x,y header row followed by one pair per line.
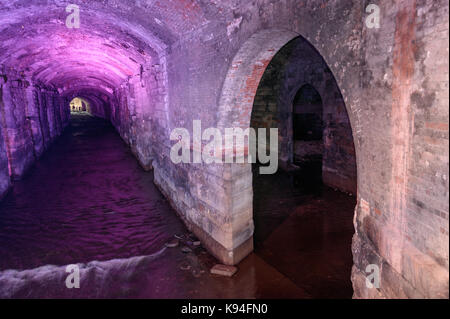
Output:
x,y
31,118
151,67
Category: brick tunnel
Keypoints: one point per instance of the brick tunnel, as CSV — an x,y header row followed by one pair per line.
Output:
x,y
94,95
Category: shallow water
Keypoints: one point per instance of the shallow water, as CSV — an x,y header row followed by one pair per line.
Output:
x,y
86,199
304,229
88,202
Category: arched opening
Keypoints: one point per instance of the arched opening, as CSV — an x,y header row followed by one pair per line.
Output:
x,y
307,125
303,219
303,214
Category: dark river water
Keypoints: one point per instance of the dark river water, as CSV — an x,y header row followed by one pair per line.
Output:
x,y
86,199
88,202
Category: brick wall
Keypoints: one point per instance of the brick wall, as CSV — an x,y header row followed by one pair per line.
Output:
x,y
208,60
31,118
404,225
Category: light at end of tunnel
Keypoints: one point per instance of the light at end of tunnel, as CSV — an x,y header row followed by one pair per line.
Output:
x,y
78,105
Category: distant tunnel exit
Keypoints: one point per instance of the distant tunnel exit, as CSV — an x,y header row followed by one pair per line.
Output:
x,y
78,105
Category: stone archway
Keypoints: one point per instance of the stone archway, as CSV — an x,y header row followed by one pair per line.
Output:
x,y
307,125
235,110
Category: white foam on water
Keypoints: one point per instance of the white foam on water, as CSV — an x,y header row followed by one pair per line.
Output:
x,y
33,282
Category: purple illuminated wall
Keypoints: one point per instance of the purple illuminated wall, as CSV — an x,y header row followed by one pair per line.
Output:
x,y
152,66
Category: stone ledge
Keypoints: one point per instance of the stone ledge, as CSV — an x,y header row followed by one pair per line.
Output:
x,y
224,255
227,257
420,277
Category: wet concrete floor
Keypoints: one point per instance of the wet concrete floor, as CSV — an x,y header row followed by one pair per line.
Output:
x,y
88,202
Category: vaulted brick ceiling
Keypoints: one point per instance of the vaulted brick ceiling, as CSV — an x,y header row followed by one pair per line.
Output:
x,y
115,40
